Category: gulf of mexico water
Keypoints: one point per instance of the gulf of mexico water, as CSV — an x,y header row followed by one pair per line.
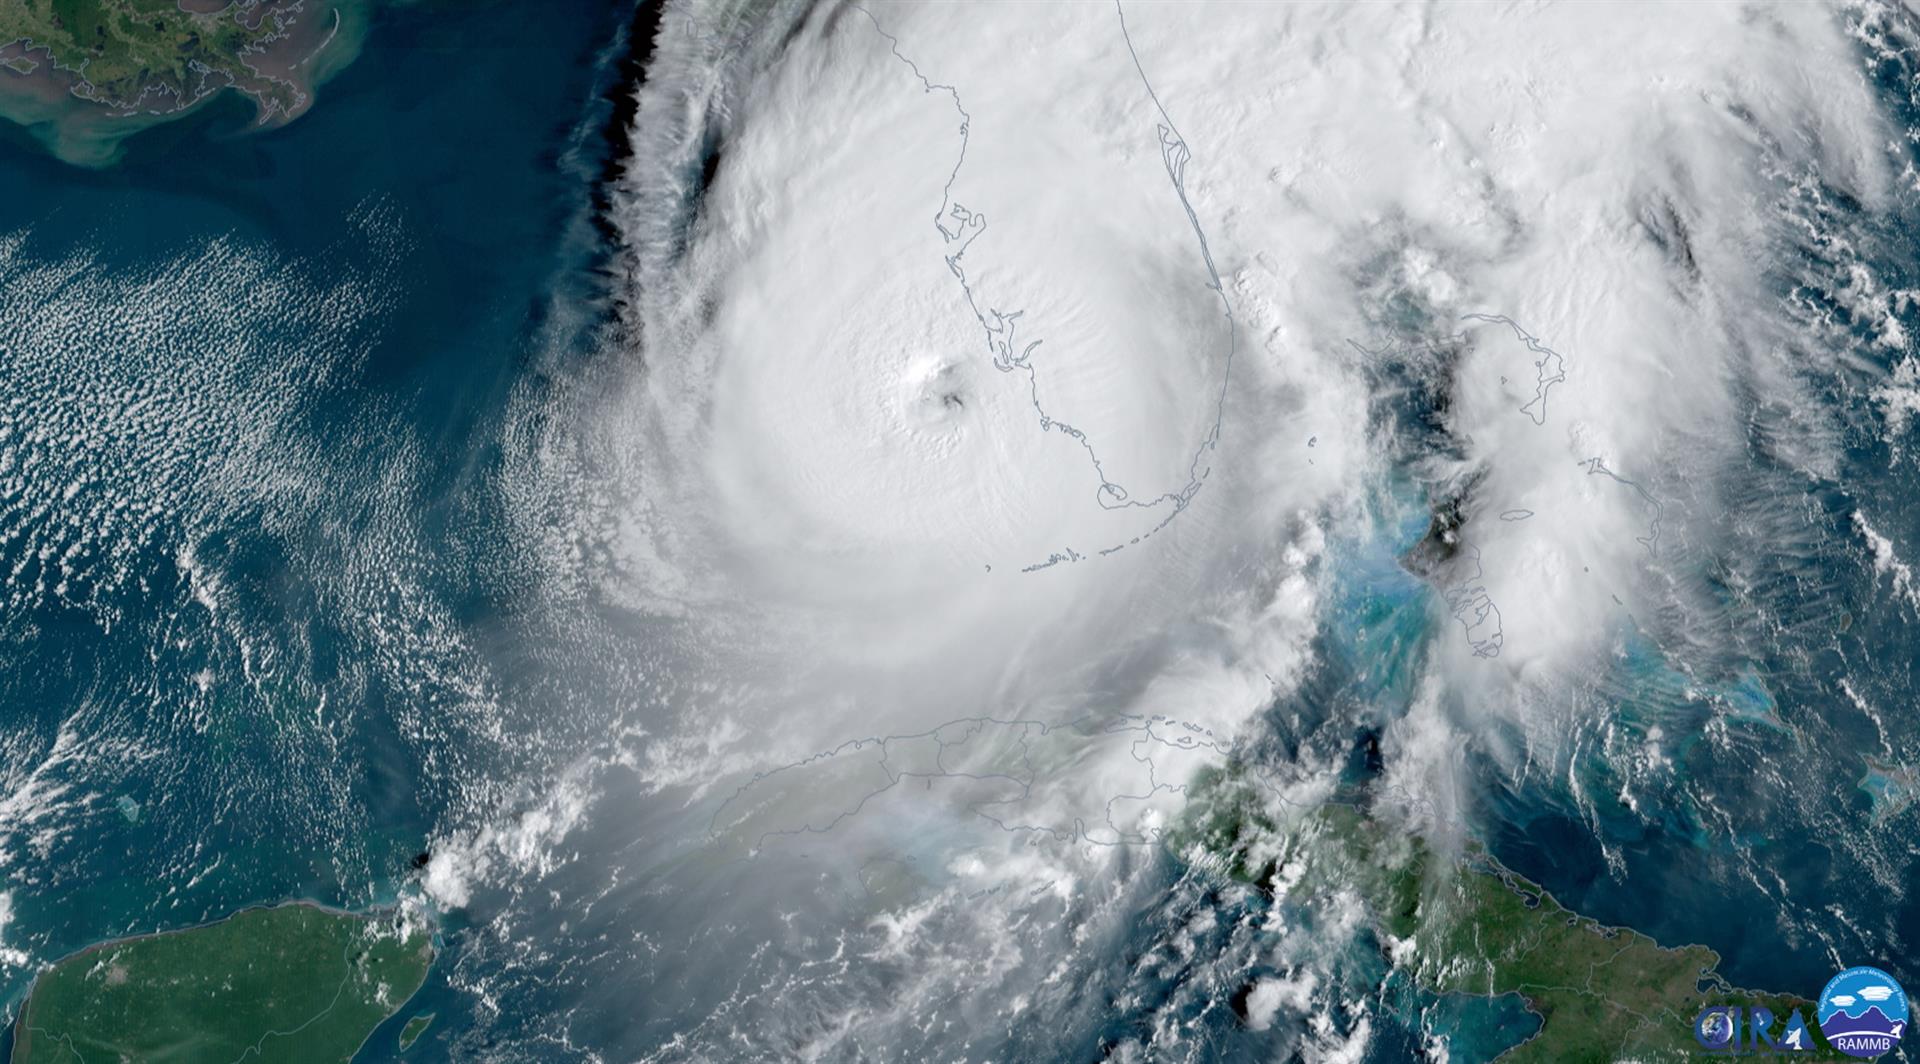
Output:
x,y
263,632
252,643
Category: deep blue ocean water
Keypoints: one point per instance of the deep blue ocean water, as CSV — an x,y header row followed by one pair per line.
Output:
x,y
448,168
451,166
1786,844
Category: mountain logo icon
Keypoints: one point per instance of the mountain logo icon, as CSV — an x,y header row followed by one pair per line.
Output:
x,y
1863,1012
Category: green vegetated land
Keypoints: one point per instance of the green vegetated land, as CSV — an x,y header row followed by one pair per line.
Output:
x,y
414,1029
1468,925
150,54
294,983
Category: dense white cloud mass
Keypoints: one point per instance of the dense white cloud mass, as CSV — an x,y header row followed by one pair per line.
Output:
x,y
888,381
814,448
827,458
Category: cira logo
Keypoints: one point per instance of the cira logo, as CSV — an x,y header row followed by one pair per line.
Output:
x,y
1737,1030
1863,1012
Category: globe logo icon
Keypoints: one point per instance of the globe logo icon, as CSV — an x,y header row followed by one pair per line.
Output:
x,y
1863,1012
1715,1028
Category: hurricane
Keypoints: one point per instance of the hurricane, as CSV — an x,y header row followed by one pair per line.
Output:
x,y
1014,413
1016,532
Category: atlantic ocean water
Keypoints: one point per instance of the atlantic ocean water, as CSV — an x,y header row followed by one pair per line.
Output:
x,y
1783,833
324,574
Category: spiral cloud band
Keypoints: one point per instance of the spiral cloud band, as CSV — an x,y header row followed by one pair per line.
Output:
x,y
1013,394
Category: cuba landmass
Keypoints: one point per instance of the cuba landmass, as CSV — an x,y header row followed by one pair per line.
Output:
x,y
1465,924
293,983
83,75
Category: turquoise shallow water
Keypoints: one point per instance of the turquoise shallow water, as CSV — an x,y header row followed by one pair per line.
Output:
x,y
262,633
